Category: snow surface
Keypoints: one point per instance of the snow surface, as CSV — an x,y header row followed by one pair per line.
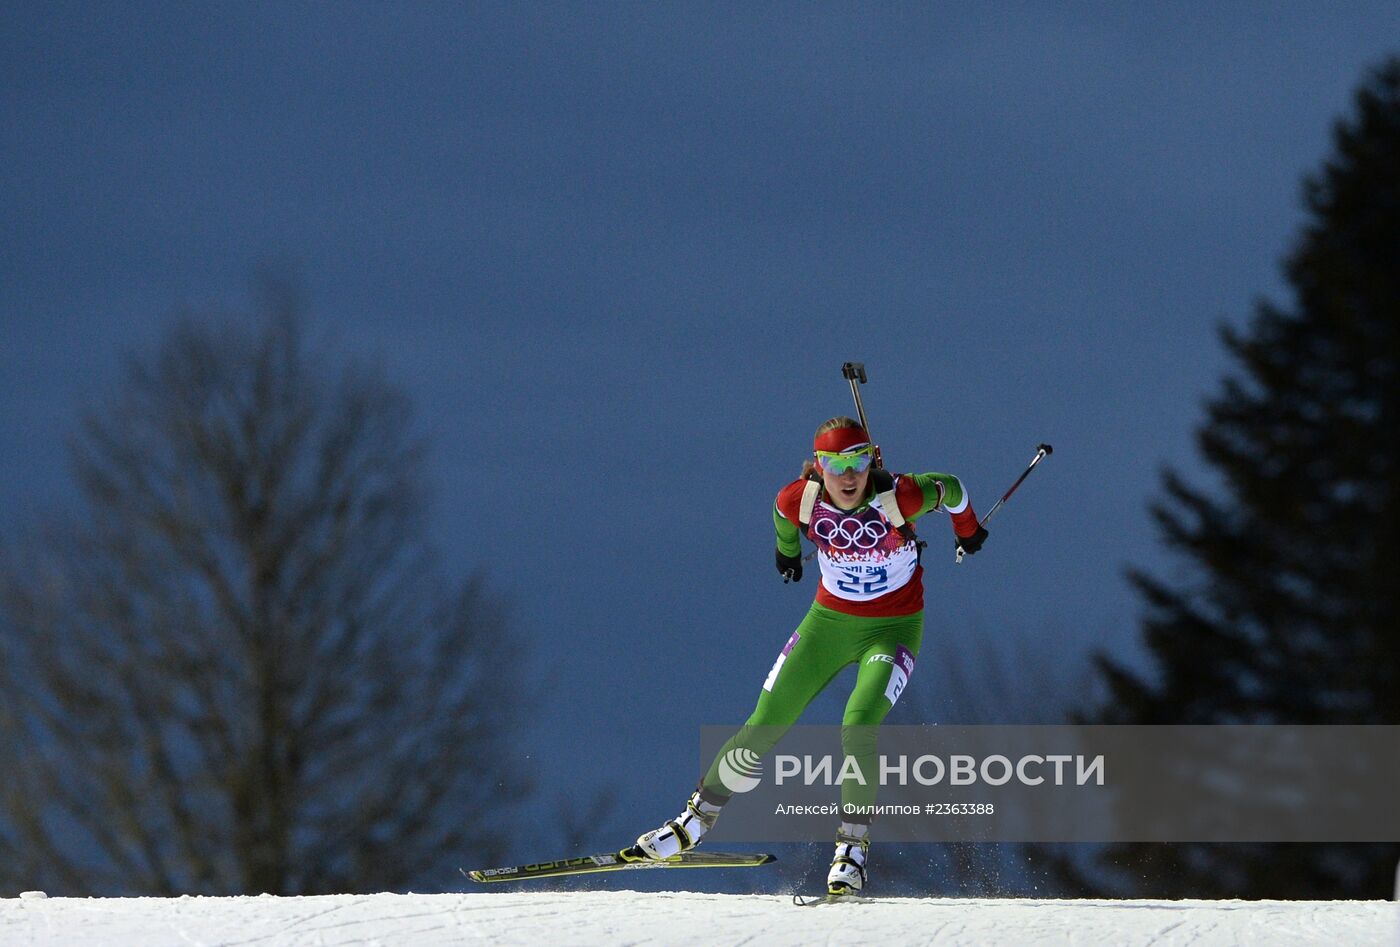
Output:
x,y
629,917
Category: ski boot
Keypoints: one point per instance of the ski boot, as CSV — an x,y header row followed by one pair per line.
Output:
x,y
683,832
847,875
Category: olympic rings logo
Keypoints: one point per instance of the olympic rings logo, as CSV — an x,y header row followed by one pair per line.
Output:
x,y
850,533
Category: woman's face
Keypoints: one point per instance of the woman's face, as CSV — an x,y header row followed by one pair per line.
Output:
x,y
847,490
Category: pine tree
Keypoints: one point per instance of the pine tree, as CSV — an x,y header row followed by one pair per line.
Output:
x,y
1292,611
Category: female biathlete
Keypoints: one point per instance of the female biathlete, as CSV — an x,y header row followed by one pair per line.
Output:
x,y
869,611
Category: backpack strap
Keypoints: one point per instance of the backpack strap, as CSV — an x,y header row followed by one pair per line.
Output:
x,y
883,482
810,492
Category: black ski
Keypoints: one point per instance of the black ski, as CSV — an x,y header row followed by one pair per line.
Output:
x,y
627,859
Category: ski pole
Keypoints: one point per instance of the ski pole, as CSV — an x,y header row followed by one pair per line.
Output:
x,y
854,372
1041,452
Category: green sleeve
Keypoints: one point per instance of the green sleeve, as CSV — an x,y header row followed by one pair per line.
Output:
x,y
938,489
788,543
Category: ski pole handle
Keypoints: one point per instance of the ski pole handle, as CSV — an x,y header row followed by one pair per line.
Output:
x,y
1041,452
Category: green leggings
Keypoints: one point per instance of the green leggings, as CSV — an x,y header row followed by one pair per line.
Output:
x,y
826,642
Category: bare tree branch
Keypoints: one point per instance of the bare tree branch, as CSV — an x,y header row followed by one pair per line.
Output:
x,y
239,669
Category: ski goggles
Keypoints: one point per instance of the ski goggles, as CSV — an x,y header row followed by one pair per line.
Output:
x,y
854,462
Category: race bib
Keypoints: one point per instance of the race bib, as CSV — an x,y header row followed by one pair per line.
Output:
x,y
861,555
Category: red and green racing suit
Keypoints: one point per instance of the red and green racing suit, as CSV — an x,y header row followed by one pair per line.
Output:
x,y
869,611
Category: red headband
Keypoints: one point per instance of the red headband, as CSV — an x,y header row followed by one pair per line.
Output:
x,y
841,439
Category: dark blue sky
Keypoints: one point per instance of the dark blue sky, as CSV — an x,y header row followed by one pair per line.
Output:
x,y
617,253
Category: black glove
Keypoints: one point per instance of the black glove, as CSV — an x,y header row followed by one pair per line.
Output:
x,y
971,544
789,567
